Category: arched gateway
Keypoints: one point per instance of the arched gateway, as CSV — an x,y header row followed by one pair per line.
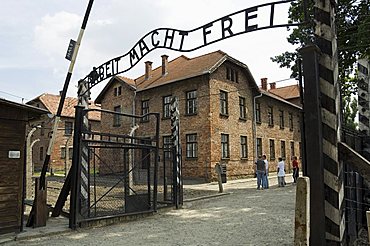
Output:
x,y
322,166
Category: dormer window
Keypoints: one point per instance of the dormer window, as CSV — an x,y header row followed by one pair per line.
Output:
x,y
232,74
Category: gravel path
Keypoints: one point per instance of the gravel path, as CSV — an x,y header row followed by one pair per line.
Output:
x,y
246,216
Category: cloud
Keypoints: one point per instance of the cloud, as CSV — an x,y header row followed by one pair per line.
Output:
x,y
52,35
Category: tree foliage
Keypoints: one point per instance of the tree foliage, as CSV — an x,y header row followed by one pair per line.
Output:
x,y
353,29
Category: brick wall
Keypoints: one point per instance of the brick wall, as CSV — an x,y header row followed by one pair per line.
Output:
x,y
208,124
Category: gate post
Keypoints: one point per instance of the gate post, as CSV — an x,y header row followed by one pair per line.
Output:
x,y
314,143
177,172
325,38
83,100
74,199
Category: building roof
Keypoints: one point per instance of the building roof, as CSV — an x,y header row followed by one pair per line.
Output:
x,y
267,93
29,108
286,92
123,80
51,103
179,69
183,68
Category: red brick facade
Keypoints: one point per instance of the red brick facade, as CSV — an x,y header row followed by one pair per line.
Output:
x,y
219,131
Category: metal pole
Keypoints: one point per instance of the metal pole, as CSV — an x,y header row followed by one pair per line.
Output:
x,y
60,108
63,96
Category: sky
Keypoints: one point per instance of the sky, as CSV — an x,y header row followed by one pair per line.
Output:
x,y
34,36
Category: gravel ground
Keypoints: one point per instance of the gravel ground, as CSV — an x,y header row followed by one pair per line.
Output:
x,y
245,216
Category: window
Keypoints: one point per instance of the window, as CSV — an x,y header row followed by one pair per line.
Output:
x,y
42,130
166,107
243,147
282,149
242,108
259,146
191,102
167,147
281,117
232,75
300,150
191,146
62,152
291,121
270,114
258,112
117,91
225,146
41,153
145,110
272,149
223,103
68,128
117,117
70,153
292,152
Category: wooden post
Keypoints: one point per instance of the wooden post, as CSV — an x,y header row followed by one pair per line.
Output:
x,y
302,212
41,210
314,143
218,171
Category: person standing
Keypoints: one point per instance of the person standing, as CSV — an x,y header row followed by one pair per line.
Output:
x,y
260,171
265,181
281,172
295,169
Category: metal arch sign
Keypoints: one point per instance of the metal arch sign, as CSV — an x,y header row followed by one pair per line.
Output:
x,y
247,20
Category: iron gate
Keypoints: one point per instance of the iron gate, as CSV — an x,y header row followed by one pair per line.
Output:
x,y
116,172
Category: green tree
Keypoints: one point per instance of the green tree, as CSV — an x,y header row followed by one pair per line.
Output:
x,y
353,28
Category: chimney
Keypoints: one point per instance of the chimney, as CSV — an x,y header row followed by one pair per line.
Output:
x,y
272,85
164,65
148,69
264,84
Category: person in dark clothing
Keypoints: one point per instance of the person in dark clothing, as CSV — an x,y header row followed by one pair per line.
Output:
x,y
295,169
260,171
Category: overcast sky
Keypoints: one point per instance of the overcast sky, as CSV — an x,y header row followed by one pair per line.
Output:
x,y
35,34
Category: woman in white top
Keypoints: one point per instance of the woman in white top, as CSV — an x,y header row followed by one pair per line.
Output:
x,y
281,173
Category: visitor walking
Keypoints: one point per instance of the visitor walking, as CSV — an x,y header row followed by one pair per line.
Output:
x,y
295,169
265,181
281,172
260,172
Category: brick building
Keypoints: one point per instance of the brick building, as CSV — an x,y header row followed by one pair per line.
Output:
x,y
216,95
61,156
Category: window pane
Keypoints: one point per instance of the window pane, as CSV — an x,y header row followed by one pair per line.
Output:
x,y
117,117
225,146
68,128
191,146
166,106
243,147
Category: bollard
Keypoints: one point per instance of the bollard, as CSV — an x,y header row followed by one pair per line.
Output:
x,y
219,178
302,212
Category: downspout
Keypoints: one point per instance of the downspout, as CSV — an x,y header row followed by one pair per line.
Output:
x,y
255,125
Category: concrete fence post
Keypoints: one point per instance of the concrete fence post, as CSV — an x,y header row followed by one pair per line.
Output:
x,y
302,212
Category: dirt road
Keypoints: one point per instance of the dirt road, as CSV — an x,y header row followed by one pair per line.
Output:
x,y
246,216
